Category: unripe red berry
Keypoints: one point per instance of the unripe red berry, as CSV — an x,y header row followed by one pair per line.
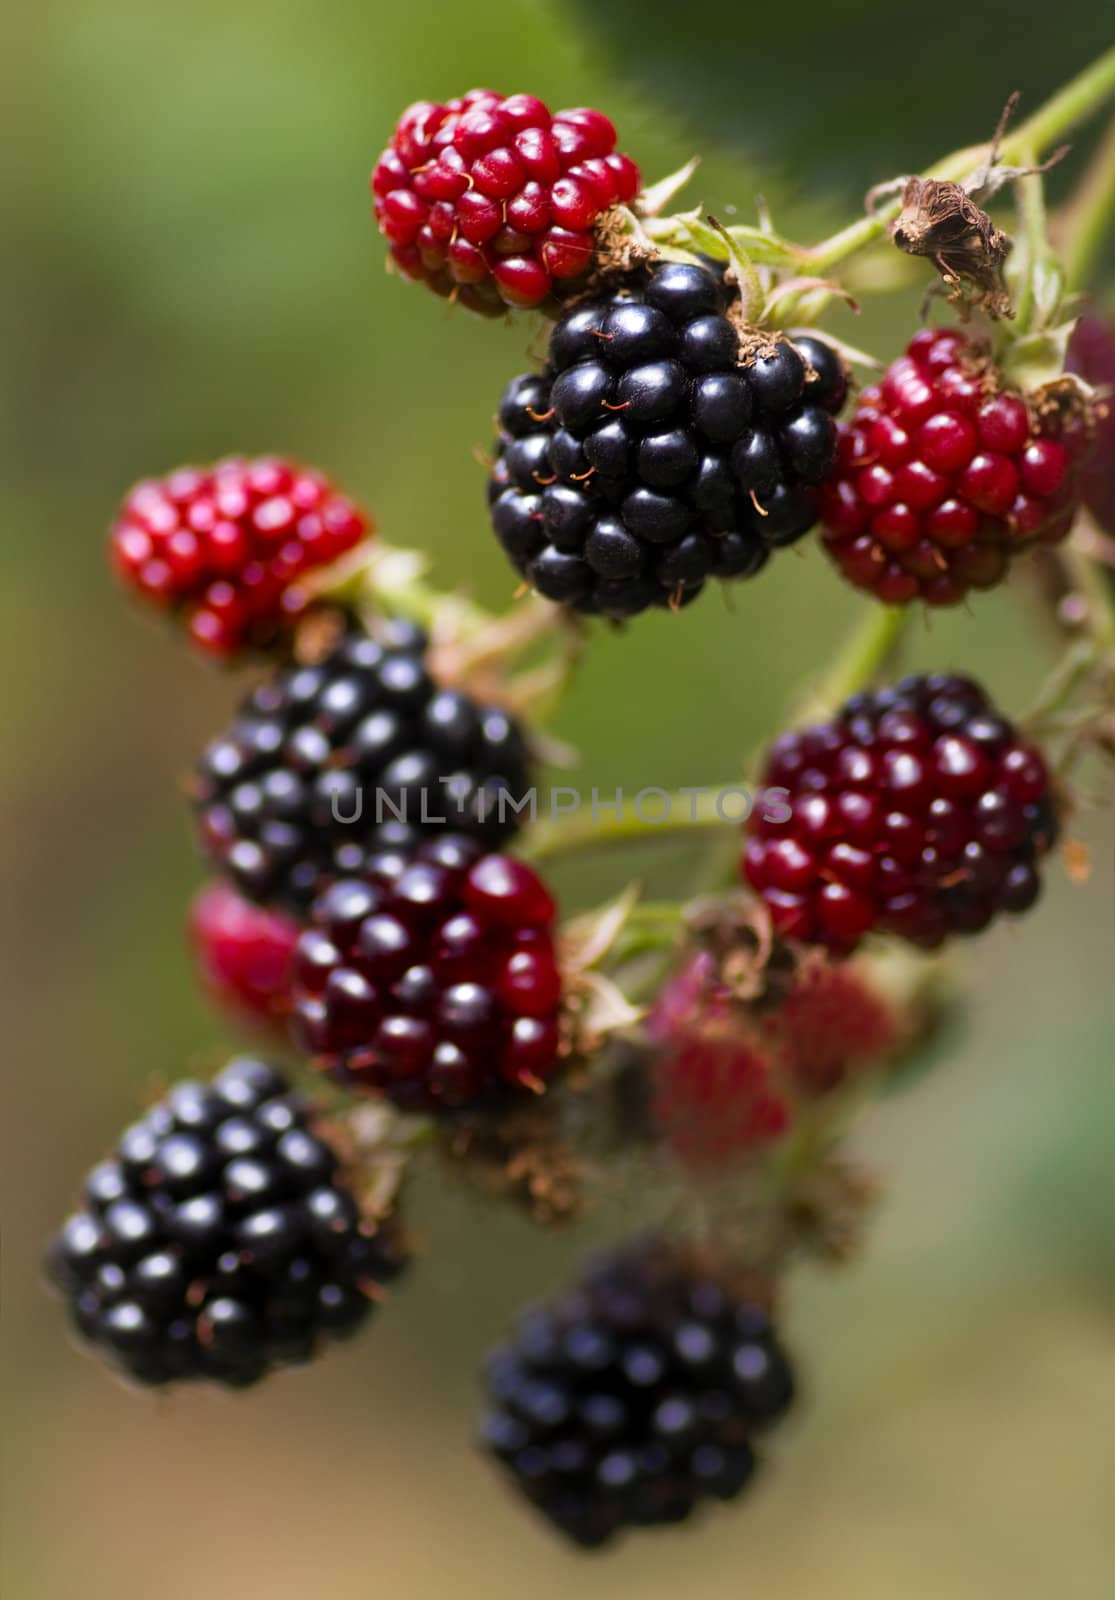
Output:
x,y
943,475
244,953
224,546
493,201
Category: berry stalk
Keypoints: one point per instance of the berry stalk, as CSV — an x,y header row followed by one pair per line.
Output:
x,y
1087,223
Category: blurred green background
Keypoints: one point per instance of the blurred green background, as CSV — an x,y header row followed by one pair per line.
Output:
x,y
191,270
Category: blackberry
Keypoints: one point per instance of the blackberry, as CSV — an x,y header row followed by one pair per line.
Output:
x,y
243,953
219,1240
653,453
327,765
919,811
495,202
944,474
636,1396
223,546
432,979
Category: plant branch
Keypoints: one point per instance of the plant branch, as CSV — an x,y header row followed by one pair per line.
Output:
x,y
1086,225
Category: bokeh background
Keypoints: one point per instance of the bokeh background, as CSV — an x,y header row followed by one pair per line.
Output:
x,y
191,270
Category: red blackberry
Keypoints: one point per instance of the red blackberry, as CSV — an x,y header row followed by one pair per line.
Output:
x,y
717,1093
219,1240
944,474
734,1061
832,1021
432,979
224,545
326,765
651,454
633,1398
919,811
495,202
243,953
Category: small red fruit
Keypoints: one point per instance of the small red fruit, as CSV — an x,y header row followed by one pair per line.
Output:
x,y
244,953
943,476
493,200
223,546
733,1067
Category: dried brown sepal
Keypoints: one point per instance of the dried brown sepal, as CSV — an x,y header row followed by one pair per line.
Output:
x,y
943,222
523,1157
622,248
373,1145
827,1214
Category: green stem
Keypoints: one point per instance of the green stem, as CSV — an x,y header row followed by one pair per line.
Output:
x,y
865,654
1034,239
1093,584
685,812
1073,104
1088,222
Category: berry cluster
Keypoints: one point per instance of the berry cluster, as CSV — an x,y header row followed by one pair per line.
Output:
x,y
433,978
243,953
325,765
655,452
225,545
494,201
636,1396
730,1068
943,476
919,812
219,1241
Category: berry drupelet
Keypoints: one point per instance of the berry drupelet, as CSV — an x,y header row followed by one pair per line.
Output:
x,y
219,1242
243,953
652,454
920,811
494,201
432,979
325,764
944,474
636,1396
224,546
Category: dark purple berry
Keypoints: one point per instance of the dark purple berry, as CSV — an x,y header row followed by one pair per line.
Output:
x,y
235,1228
635,1397
649,422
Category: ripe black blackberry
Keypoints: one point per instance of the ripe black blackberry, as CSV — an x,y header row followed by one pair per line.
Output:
x,y
635,1396
653,452
311,780
219,1242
